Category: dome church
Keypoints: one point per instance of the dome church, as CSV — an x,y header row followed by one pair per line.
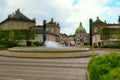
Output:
x,y
81,35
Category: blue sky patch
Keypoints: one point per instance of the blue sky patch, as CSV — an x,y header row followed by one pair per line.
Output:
x,y
75,2
114,3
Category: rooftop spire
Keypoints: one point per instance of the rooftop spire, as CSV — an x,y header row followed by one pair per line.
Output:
x,y
80,24
97,18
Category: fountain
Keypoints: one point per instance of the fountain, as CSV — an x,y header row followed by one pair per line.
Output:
x,y
50,46
51,50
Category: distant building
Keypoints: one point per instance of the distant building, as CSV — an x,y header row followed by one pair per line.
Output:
x,y
67,40
105,33
52,31
17,20
63,38
82,37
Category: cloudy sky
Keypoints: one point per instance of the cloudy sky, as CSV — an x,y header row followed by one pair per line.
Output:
x,y
68,13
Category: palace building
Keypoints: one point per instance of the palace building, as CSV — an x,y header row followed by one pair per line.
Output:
x,y
105,33
18,21
52,31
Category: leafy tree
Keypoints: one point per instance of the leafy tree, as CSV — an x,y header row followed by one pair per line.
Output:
x,y
11,35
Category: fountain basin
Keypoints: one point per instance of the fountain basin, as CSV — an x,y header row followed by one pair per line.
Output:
x,y
47,49
45,52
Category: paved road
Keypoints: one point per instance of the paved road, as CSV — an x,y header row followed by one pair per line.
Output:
x,y
43,69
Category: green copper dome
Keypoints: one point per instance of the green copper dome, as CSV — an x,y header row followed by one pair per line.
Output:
x,y
80,28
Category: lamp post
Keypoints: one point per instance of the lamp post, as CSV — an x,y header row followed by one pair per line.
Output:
x,y
90,25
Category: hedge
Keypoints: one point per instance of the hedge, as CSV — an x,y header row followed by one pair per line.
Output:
x,y
105,67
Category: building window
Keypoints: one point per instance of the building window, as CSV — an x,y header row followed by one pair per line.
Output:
x,y
46,29
52,30
95,29
81,40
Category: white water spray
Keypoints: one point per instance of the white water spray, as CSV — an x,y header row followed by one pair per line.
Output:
x,y
52,44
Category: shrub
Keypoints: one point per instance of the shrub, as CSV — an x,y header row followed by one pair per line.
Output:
x,y
11,44
111,46
2,46
37,43
105,67
87,46
8,44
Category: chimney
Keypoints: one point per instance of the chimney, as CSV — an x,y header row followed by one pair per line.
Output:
x,y
9,16
18,10
52,20
13,14
119,20
105,21
34,19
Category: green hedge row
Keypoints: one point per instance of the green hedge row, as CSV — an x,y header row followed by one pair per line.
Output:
x,y
8,44
111,46
105,67
17,34
37,43
108,46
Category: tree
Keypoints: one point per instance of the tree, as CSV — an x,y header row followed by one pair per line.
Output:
x,y
11,35
29,34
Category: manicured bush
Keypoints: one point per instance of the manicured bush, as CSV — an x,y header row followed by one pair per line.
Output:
x,y
87,46
111,46
36,43
11,44
8,44
105,67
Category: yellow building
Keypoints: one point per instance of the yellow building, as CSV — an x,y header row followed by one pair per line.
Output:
x,y
105,33
97,26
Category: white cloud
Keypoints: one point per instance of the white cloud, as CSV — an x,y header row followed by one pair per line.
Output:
x,y
63,11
